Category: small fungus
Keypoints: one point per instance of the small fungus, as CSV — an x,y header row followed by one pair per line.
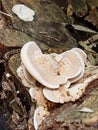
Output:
x,y
23,12
24,78
36,94
39,115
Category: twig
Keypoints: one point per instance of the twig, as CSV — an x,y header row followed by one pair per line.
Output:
x,y
43,32
1,12
53,38
93,38
46,35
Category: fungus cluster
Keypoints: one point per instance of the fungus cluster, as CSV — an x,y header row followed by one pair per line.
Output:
x,y
62,77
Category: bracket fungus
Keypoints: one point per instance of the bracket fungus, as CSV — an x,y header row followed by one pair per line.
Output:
x,y
62,77
36,94
23,12
39,115
59,95
81,53
71,64
25,76
37,64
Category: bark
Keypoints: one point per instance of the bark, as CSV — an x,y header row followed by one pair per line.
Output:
x,y
62,116
67,118
46,29
84,9
79,7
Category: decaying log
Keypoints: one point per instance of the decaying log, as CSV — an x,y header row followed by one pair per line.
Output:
x,y
11,66
46,28
14,95
64,116
48,31
67,117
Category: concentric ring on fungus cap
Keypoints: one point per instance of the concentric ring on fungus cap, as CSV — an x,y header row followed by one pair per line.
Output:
x,y
71,64
43,67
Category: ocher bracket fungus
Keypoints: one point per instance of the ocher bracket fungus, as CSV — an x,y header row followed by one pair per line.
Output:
x,y
62,77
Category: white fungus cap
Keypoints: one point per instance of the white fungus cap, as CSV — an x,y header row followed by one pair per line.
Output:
x,y
43,67
23,12
39,115
57,95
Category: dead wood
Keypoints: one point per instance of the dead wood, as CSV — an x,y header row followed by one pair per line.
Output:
x,y
48,31
67,117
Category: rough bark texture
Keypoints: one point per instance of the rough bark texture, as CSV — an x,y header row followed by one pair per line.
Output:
x,y
67,118
46,27
48,31
79,7
85,9
62,117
